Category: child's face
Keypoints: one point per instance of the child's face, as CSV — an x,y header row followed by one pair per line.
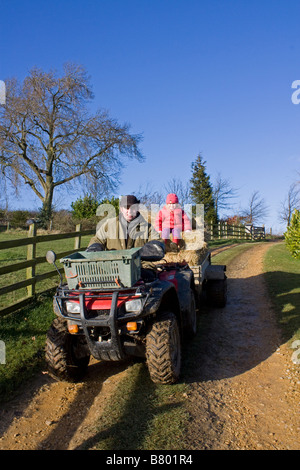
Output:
x,y
171,206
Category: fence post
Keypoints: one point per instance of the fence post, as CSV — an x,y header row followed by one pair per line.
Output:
x,y
211,230
31,254
77,239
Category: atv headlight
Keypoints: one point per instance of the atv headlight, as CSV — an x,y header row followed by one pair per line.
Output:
x,y
134,305
72,307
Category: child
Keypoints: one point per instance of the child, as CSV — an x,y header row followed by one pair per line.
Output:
x,y
171,218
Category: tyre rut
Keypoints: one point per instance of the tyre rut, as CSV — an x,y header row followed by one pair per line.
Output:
x,y
240,395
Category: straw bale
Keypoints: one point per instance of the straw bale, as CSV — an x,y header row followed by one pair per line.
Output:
x,y
192,257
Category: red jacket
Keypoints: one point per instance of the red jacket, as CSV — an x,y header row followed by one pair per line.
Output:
x,y
167,218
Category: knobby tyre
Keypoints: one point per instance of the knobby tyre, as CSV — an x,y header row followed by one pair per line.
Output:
x,y
217,293
191,327
163,349
65,353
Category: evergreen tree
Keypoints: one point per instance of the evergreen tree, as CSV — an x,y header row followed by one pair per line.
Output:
x,y
292,235
84,208
201,189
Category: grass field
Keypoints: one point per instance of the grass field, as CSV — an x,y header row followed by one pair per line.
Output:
x,y
283,281
24,332
18,254
24,335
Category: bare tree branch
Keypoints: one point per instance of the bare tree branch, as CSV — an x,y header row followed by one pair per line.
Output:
x,y
223,194
291,202
48,137
182,190
257,209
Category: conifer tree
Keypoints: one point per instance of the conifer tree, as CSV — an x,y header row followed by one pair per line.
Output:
x,y
201,189
292,235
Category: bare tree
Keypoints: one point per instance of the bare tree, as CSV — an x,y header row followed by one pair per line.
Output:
x,y
4,198
148,196
182,190
48,138
291,203
223,193
257,209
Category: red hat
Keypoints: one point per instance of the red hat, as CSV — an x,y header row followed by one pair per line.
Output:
x,y
172,199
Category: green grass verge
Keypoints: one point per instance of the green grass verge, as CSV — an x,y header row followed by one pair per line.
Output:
x,y
18,254
229,241
142,415
282,274
226,256
24,334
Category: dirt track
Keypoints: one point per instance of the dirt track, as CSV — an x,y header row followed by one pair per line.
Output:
x,y
244,394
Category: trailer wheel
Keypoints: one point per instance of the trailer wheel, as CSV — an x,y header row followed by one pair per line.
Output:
x,y
65,353
191,327
163,349
216,291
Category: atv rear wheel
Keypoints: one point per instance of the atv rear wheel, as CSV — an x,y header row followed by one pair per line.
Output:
x,y
163,349
216,291
191,327
66,355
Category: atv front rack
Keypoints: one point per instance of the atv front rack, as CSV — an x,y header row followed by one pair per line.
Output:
x,y
111,349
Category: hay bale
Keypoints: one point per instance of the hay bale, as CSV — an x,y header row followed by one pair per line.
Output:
x,y
192,257
192,249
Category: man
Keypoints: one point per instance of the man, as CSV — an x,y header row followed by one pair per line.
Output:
x,y
128,230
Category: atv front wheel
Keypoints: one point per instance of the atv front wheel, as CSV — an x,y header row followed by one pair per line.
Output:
x,y
66,355
163,349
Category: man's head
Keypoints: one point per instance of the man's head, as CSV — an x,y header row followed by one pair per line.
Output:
x,y
129,207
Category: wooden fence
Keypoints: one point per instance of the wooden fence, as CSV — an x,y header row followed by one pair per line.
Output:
x,y
223,230
32,261
218,231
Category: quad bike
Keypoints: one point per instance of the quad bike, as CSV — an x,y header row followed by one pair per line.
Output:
x,y
112,308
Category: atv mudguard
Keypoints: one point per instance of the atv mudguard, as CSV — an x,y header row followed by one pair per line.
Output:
x,y
173,296
215,272
163,296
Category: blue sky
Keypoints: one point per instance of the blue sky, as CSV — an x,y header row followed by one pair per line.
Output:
x,y
211,77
